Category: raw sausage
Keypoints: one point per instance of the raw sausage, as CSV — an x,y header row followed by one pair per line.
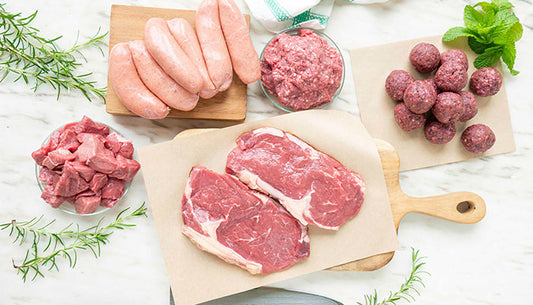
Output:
x,y
129,88
213,44
170,56
186,38
243,55
162,85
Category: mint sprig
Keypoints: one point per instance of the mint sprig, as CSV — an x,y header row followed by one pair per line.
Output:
x,y
492,30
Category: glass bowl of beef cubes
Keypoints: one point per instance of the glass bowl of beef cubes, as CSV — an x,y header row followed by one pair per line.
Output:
x,y
84,168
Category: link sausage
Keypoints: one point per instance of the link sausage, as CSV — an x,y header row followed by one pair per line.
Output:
x,y
129,88
213,44
184,34
241,49
162,85
170,56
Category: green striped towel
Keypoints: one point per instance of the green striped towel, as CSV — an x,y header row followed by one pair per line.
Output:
x,y
277,15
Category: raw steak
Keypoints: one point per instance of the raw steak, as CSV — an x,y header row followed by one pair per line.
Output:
x,y
312,186
243,227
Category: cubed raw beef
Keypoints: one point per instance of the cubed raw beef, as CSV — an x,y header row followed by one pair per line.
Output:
x,y
47,175
70,183
109,203
39,155
88,193
87,205
53,142
85,172
68,140
83,136
113,189
119,145
98,182
93,153
58,157
126,169
49,197
88,125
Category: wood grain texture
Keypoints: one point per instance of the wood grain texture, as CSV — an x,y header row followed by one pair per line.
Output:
x,y
127,23
460,207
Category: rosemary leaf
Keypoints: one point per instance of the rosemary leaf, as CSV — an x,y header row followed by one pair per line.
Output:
x,y
66,242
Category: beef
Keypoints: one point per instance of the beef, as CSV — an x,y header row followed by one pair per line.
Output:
x,y
243,227
85,172
87,204
93,153
109,203
58,157
68,140
113,189
119,145
70,183
86,125
98,181
49,196
312,186
47,175
126,169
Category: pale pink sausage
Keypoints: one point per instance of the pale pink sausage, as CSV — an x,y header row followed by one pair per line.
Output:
x,y
170,56
129,88
213,44
243,55
162,85
186,38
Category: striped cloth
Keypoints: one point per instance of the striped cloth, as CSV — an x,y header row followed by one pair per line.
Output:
x,y
277,15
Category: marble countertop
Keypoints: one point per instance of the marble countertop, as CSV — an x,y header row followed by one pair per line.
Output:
x,y
487,263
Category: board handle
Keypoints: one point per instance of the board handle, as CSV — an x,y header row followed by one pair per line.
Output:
x,y
461,207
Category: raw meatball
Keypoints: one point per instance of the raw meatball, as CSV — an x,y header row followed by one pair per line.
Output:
x,y
448,107
425,57
407,119
439,133
478,138
397,82
431,81
451,76
454,55
470,105
486,81
419,97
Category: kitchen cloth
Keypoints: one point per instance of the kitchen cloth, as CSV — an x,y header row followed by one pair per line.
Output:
x,y
277,15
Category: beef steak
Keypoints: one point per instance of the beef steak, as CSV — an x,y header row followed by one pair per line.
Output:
x,y
312,186
224,217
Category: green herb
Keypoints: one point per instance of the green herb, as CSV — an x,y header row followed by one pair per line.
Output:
x,y
37,60
406,290
492,32
66,243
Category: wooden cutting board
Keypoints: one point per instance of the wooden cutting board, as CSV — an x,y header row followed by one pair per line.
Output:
x,y
127,23
460,207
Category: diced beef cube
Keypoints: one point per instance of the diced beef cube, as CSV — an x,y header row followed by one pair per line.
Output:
x,y
93,153
89,126
113,189
39,155
47,175
109,203
58,157
98,182
119,145
85,172
83,136
49,196
70,183
126,169
53,142
68,140
88,193
87,205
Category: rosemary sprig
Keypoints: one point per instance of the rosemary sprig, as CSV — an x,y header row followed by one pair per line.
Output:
x,y
37,60
65,243
406,289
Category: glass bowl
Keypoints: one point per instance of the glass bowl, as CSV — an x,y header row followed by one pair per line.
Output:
x,y
295,31
66,206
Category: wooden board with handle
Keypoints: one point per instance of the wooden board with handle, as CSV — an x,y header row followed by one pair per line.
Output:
x,y
460,207
127,23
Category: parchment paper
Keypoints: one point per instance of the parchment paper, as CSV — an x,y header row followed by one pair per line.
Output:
x,y
372,65
196,276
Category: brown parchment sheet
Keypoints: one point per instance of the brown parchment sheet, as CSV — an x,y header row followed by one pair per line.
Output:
x,y
372,65
196,276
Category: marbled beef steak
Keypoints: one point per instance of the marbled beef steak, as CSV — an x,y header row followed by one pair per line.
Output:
x,y
312,186
241,226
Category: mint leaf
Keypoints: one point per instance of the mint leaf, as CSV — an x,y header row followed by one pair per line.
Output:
x,y
504,21
457,32
515,32
489,57
473,18
502,4
508,57
486,7
477,46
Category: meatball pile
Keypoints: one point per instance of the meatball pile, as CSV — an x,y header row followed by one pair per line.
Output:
x,y
437,103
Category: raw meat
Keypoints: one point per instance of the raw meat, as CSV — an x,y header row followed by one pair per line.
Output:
x,y
70,183
243,227
93,153
119,145
312,186
126,169
58,157
98,182
113,189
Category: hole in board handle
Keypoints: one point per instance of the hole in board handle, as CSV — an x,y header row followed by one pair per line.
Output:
x,y
465,206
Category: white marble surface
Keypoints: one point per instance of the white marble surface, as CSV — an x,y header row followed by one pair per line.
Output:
x,y
487,263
